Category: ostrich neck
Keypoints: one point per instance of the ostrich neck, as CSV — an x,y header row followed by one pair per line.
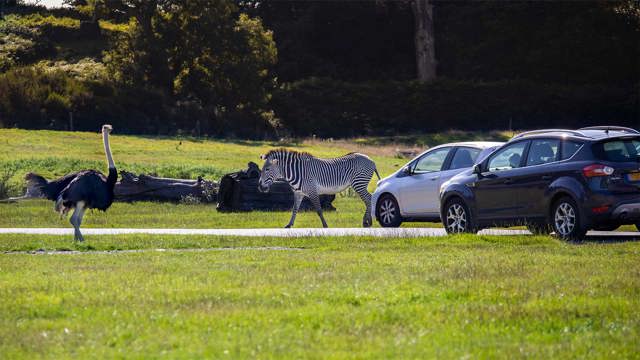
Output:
x,y
107,150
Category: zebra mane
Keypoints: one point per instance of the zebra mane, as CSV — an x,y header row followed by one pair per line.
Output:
x,y
282,151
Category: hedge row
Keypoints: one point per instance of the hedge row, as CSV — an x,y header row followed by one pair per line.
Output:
x,y
42,98
330,108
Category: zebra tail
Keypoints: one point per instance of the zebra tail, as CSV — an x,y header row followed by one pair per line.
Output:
x,y
378,175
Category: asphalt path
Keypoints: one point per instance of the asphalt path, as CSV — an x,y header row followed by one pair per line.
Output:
x,y
299,232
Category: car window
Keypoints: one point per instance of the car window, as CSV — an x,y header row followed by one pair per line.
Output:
x,y
569,148
543,151
507,158
464,157
618,150
432,161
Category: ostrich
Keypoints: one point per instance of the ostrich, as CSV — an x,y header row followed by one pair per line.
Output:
x,y
87,189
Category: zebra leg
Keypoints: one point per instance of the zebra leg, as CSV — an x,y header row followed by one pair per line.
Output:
x,y
297,200
315,200
366,198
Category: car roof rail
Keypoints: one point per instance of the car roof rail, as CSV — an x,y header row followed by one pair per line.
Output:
x,y
537,132
612,128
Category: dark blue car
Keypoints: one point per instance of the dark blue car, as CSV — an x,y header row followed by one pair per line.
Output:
x,y
566,181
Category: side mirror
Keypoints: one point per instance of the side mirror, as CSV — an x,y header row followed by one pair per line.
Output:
x,y
477,169
406,170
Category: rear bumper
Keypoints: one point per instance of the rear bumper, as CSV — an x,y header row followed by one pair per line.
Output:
x,y
626,212
621,212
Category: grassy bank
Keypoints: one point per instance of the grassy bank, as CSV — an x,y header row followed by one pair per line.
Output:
x,y
55,153
465,296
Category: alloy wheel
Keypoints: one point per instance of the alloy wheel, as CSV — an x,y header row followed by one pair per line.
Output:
x,y
565,219
388,211
456,218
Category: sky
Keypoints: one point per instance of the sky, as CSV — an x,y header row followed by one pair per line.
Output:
x,y
47,3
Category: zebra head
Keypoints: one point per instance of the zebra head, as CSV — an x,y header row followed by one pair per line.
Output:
x,y
270,172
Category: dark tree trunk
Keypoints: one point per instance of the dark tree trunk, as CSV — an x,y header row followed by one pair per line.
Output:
x,y
424,40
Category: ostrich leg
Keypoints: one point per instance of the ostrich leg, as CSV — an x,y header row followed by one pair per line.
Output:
x,y
76,220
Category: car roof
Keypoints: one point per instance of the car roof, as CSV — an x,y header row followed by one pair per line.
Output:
x,y
593,133
475,144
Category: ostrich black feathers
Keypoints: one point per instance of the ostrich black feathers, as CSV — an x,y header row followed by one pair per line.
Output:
x,y
90,186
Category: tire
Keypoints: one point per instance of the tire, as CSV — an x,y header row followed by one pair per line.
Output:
x,y
566,220
388,212
606,227
539,228
457,218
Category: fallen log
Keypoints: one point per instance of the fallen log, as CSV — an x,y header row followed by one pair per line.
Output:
x,y
132,187
143,187
239,192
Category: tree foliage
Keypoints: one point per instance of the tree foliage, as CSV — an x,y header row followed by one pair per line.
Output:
x,y
203,53
332,68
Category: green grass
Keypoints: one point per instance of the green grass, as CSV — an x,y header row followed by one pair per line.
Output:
x,y
344,297
39,213
55,153
456,297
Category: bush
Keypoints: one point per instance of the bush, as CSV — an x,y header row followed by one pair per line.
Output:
x,y
331,108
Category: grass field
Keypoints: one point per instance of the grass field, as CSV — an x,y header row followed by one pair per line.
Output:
x,y
345,297
456,297
55,153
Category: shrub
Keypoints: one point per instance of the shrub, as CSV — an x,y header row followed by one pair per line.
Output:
x,y
331,108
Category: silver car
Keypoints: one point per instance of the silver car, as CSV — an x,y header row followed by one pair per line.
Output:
x,y
412,192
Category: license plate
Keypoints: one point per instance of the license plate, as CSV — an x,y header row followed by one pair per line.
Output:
x,y
634,176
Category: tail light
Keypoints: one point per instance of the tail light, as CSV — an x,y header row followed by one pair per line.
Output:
x,y
597,170
600,209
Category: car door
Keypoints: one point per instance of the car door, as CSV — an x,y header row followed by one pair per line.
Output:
x,y
419,192
495,199
532,181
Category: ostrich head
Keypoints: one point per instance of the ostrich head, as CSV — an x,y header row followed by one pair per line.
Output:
x,y
107,129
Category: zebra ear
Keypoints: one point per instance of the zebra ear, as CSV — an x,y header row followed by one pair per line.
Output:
x,y
263,157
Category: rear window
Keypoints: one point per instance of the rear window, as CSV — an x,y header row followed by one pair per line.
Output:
x,y
621,150
464,158
569,148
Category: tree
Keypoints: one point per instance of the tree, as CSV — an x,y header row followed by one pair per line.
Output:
x,y
204,53
424,40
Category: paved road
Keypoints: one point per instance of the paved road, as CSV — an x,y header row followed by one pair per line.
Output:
x,y
295,232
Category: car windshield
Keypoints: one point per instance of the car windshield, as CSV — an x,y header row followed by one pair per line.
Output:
x,y
619,150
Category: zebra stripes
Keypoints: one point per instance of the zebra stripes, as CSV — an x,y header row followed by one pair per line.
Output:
x,y
311,177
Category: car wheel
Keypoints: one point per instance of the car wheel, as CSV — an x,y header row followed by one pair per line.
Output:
x,y
388,212
566,220
457,218
539,228
606,227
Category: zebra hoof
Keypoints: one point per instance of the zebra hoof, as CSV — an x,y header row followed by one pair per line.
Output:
x,y
288,226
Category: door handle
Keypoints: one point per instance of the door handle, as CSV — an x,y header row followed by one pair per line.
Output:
x,y
546,177
433,178
508,181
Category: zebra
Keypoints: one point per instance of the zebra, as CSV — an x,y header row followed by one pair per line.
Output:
x,y
311,177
